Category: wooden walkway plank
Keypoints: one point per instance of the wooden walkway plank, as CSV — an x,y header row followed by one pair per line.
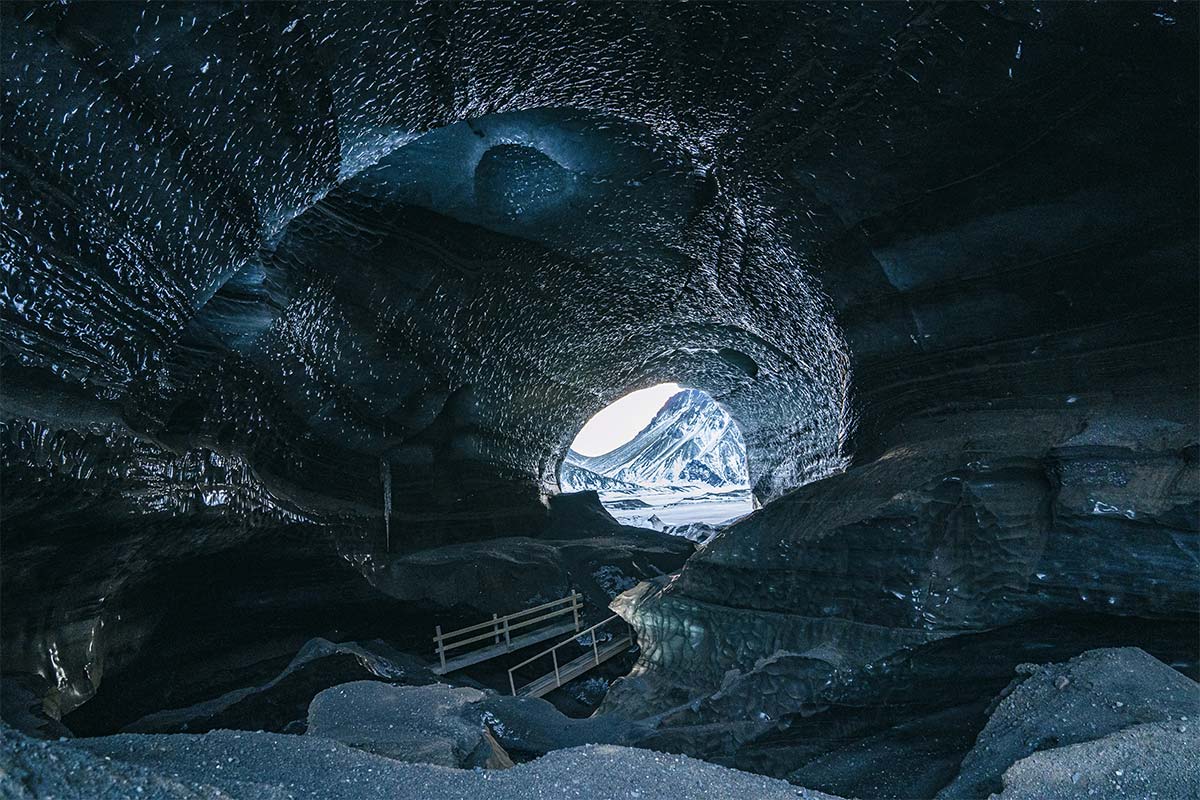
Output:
x,y
573,669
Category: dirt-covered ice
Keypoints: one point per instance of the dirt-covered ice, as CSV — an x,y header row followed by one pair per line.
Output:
x,y
265,766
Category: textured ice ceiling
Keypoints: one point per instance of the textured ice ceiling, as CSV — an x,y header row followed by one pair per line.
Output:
x,y
414,234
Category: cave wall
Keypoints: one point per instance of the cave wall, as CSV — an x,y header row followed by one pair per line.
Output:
x,y
356,274
1016,280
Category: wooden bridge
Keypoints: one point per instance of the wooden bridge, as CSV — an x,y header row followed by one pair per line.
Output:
x,y
576,667
537,624
500,631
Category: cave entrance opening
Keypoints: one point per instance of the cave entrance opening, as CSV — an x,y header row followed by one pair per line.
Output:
x,y
665,457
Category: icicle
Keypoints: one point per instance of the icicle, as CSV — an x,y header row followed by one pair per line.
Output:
x,y
385,477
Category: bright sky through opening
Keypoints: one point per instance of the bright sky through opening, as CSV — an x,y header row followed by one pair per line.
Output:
x,y
621,421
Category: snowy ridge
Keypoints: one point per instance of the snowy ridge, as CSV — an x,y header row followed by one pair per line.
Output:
x,y
579,478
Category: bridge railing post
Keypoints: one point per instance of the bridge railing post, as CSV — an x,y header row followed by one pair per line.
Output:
x,y
557,678
507,635
441,646
496,627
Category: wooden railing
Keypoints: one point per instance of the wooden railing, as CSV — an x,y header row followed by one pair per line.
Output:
x,y
576,667
500,629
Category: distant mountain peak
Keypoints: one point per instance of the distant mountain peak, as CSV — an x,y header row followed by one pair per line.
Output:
x,y
690,441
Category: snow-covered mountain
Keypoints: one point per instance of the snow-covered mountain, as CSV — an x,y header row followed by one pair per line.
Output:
x,y
691,440
576,479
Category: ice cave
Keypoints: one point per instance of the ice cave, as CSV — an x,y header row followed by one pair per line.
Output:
x,y
304,305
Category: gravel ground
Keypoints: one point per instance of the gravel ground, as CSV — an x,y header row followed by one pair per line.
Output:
x,y
1047,717
1145,762
267,766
